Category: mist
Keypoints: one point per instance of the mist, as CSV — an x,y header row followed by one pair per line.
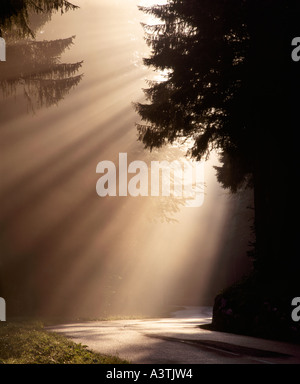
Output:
x,y
65,250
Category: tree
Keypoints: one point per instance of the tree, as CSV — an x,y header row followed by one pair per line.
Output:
x,y
229,87
34,67
15,14
34,71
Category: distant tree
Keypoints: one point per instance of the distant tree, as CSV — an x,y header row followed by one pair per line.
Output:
x,y
35,72
34,67
15,14
229,87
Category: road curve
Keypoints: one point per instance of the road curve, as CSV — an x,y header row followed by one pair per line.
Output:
x,y
177,340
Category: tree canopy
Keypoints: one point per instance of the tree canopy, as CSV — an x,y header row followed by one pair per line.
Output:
x,y
35,67
229,86
15,14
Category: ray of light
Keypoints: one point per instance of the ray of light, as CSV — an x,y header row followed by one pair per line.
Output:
x,y
86,254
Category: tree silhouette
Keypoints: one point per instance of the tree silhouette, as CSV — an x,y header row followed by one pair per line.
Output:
x,y
34,67
15,14
35,73
229,86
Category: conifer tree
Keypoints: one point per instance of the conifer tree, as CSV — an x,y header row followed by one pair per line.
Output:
x,y
230,86
15,14
34,67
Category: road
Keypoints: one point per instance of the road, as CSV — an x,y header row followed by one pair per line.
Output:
x,y
177,340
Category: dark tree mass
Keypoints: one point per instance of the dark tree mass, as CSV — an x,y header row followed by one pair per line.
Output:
x,y
231,86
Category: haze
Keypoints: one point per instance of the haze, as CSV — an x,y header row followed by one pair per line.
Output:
x,y
74,252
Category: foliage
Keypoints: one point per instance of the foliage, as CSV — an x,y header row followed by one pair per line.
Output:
x,y
29,343
258,308
214,72
15,14
34,68
229,87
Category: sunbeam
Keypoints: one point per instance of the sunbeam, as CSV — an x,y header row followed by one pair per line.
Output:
x,y
67,251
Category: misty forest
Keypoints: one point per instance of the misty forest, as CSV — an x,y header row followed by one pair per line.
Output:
x,y
229,88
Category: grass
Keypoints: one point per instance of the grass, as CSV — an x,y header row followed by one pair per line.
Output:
x,y
24,341
166,312
30,343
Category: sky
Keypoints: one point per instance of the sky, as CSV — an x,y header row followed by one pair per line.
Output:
x,y
89,254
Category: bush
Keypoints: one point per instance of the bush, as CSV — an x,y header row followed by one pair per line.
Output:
x,y
259,307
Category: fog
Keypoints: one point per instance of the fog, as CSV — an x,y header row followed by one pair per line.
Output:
x,y
65,249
